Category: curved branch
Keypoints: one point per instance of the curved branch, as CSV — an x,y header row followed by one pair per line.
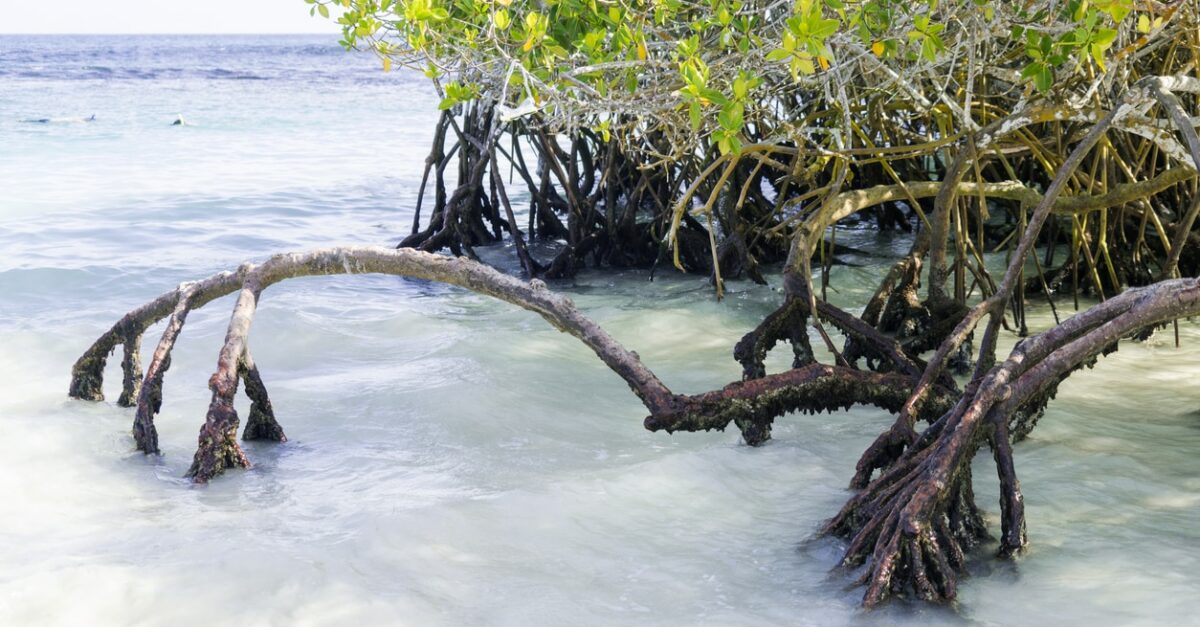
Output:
x,y
903,521
811,389
218,447
814,388
87,375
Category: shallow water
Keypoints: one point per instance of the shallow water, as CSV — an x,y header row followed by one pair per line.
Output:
x,y
454,460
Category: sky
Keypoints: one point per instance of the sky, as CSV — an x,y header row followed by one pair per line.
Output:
x,y
160,16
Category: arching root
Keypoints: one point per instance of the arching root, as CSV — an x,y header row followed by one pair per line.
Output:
x,y
913,522
812,388
87,375
131,369
790,323
218,448
787,323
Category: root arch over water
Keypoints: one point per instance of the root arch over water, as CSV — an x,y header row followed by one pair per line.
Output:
x,y
814,388
915,516
913,522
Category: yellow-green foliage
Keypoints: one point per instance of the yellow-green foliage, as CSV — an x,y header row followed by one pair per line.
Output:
x,y
704,60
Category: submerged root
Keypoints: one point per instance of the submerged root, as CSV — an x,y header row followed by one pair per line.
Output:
x,y
261,424
912,524
915,523
217,447
754,402
150,398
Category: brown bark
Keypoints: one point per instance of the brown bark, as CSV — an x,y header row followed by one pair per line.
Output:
x,y
913,523
217,447
261,424
899,521
814,388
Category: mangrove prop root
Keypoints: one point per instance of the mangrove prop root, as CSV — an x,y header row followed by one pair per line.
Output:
x,y
915,519
911,525
131,369
150,398
261,424
812,388
217,447
789,322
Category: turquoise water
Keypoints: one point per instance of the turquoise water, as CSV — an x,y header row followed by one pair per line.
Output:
x,y
453,460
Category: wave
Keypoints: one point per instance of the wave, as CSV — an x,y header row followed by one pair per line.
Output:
x,y
221,57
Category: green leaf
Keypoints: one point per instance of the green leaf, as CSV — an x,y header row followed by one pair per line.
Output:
x,y
323,10
714,96
731,144
802,63
724,146
740,87
730,117
822,29
928,49
1042,75
1104,37
1098,56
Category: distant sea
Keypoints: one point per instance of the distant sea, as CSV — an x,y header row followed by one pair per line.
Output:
x,y
266,113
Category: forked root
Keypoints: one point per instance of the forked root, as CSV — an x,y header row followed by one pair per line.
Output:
x,y
790,323
911,525
812,388
913,522
218,448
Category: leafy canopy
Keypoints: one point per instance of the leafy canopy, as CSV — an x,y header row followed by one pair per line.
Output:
x,y
712,67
